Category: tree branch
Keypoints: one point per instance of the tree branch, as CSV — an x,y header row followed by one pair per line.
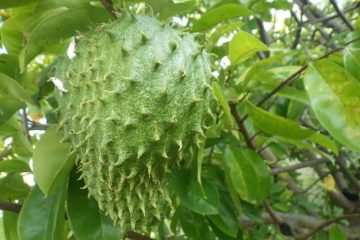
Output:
x,y
299,221
327,223
294,167
11,207
109,7
341,161
312,12
341,15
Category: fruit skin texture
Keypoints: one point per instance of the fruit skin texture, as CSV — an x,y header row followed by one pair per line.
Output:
x,y
135,103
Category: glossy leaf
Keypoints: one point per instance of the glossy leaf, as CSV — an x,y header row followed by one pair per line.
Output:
x,y
52,161
9,86
276,125
226,219
219,14
87,221
248,173
203,200
10,222
21,145
324,141
60,23
14,166
13,187
41,217
16,3
11,33
335,233
222,30
8,106
9,64
194,225
352,61
242,46
222,101
335,99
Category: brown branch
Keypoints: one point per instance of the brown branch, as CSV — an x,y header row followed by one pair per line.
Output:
x,y
25,124
341,15
336,195
295,75
264,36
312,12
109,7
297,221
327,223
294,167
241,126
136,236
11,207
341,161
272,213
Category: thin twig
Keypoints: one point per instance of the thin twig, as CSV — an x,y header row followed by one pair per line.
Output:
x,y
25,124
297,166
341,161
11,207
341,15
295,75
109,7
272,213
327,223
241,126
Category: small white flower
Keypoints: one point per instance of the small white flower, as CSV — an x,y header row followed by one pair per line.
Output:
x,y
71,50
58,84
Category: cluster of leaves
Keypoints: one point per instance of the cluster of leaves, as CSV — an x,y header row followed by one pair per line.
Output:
x,y
288,98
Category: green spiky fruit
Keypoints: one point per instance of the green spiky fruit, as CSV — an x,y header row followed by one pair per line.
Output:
x,y
135,101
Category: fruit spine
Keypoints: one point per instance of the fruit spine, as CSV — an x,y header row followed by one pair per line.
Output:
x,y
135,101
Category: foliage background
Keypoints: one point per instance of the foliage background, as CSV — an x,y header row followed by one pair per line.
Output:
x,y
282,160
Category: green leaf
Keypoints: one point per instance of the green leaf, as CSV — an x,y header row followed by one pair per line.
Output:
x,y
203,200
219,14
335,233
10,222
168,8
14,166
11,33
13,187
324,141
276,125
243,45
9,86
51,26
87,221
21,145
194,225
222,30
16,3
8,106
248,173
52,161
9,65
226,219
352,61
42,217
335,99
222,101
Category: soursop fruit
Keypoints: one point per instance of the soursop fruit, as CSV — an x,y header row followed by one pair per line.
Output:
x,y
135,101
